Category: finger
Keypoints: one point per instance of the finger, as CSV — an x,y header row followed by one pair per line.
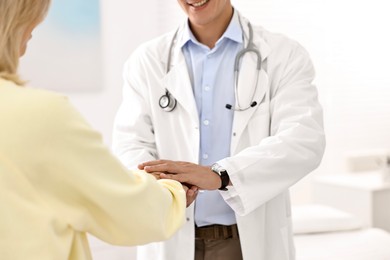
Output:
x,y
171,167
185,188
192,192
167,166
177,177
166,176
191,196
156,175
194,188
163,167
155,162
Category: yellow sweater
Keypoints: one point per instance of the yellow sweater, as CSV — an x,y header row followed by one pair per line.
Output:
x,y
58,181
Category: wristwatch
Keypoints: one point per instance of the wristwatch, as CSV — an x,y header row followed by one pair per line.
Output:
x,y
222,174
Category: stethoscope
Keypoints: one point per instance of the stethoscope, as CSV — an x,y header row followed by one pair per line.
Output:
x,y
168,103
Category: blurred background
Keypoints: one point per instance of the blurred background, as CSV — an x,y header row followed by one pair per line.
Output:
x,y
80,50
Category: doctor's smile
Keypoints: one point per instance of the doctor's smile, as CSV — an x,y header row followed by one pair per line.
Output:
x,y
198,4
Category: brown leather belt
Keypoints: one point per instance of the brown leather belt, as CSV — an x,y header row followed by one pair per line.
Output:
x,y
216,232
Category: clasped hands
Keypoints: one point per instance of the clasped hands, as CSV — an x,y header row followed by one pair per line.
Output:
x,y
192,176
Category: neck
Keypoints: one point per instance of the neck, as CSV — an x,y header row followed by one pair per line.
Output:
x,y
209,33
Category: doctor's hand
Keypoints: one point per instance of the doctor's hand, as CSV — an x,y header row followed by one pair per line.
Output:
x,y
185,172
191,190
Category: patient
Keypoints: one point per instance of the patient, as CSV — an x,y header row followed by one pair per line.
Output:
x,y
57,179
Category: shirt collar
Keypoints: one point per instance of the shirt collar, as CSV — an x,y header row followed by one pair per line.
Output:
x,y
233,32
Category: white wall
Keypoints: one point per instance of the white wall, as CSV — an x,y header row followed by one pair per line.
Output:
x,y
120,36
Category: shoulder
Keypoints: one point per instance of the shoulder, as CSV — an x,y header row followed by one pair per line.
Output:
x,y
41,109
43,102
33,114
31,101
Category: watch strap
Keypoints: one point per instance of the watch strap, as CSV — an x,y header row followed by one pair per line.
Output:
x,y
223,175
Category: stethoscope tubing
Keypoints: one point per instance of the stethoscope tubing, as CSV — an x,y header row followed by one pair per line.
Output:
x,y
168,103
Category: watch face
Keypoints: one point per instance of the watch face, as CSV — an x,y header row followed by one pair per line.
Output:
x,y
217,168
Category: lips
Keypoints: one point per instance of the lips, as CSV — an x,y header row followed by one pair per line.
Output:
x,y
199,3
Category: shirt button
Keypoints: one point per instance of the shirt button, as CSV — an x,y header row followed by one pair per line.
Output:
x,y
207,88
205,156
206,122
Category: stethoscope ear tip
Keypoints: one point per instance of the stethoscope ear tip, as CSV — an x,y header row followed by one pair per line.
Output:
x,y
230,107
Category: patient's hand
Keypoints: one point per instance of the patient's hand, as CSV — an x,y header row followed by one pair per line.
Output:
x,y
185,172
191,193
156,175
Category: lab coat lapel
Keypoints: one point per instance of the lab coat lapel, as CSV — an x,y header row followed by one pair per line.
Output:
x,y
178,83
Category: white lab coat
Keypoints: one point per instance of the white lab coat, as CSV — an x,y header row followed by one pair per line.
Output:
x,y
273,145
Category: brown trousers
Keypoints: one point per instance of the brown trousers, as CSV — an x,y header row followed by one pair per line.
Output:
x,y
218,249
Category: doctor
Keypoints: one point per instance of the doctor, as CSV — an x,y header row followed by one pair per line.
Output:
x,y
233,109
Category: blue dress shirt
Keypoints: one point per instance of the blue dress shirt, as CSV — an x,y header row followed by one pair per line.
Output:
x,y
212,77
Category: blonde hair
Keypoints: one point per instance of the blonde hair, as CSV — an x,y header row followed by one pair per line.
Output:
x,y
15,17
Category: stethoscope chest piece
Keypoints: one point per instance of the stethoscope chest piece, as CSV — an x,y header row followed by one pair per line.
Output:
x,y
167,103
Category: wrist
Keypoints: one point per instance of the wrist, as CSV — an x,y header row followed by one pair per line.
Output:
x,y
223,174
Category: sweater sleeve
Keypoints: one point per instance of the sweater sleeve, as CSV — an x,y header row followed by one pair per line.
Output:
x,y
84,183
